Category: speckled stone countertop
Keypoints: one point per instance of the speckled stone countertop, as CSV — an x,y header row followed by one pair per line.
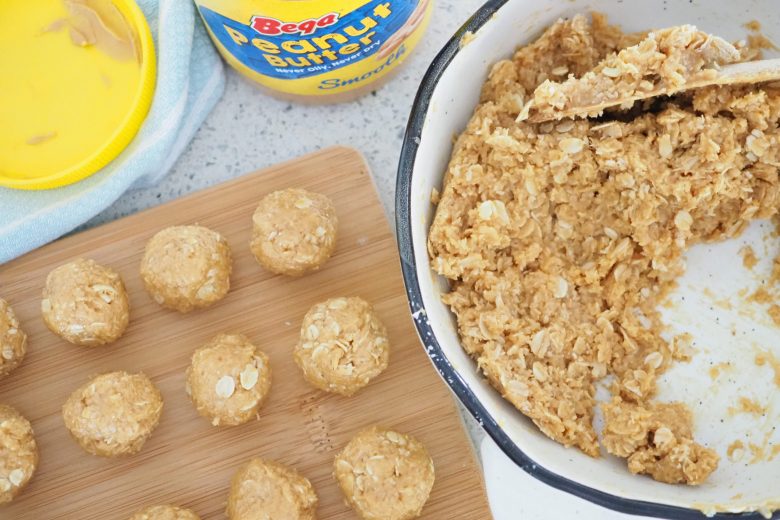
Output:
x,y
249,130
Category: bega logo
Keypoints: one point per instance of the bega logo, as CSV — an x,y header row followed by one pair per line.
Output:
x,y
273,27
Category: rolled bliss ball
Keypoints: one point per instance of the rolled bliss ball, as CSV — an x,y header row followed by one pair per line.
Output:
x,y
228,379
85,303
385,475
13,340
113,414
187,267
267,489
294,231
165,512
18,453
343,345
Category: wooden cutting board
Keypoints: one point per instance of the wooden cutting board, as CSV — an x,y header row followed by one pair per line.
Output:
x,y
187,461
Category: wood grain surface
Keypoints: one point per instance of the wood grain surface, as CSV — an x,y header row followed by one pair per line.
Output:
x,y
187,461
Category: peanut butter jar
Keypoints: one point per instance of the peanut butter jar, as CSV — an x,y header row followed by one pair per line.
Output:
x,y
316,51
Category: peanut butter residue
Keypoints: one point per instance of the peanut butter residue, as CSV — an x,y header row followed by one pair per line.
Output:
x,y
55,26
759,452
749,259
747,405
41,138
756,43
765,451
761,295
682,347
759,41
774,313
774,453
774,279
767,358
735,451
723,303
716,370
769,292
765,508
99,23
467,38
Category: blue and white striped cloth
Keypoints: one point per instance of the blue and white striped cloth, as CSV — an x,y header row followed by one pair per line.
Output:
x,y
190,81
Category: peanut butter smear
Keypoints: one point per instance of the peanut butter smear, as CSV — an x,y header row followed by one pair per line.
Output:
x,y
767,358
41,138
757,41
99,23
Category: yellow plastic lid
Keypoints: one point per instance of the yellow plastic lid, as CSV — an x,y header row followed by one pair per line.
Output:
x,y
77,82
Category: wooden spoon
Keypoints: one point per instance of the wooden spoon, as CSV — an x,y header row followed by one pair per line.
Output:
x,y
746,72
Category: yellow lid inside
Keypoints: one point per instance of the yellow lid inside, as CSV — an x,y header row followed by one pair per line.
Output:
x,y
76,84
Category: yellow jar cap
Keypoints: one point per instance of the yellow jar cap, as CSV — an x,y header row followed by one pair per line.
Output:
x,y
78,80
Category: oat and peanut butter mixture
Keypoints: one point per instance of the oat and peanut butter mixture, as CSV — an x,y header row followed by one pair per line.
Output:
x,y
13,340
343,345
384,474
665,60
187,267
165,512
294,231
228,379
656,439
113,414
85,303
560,239
266,490
18,453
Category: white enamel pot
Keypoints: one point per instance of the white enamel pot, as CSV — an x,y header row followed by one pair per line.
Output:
x,y
444,104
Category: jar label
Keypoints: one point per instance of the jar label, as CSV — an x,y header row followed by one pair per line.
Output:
x,y
365,41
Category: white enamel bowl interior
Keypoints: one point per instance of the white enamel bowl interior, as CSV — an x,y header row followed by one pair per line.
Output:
x,y
714,273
